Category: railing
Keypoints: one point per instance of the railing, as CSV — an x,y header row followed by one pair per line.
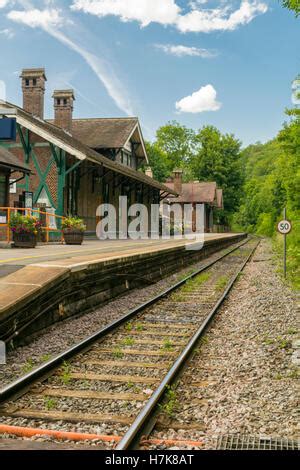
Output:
x,y
50,219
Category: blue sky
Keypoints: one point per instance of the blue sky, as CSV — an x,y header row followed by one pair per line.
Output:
x,y
229,63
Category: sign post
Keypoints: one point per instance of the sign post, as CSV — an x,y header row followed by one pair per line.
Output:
x,y
284,227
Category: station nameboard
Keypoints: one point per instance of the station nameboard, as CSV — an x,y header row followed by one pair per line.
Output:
x,y
8,129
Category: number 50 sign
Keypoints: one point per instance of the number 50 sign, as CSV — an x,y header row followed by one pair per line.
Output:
x,y
284,227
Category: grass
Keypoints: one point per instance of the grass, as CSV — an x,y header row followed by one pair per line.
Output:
x,y
50,403
66,373
128,326
139,327
196,282
268,341
221,282
168,345
280,342
117,353
133,387
186,274
45,357
294,374
292,331
171,404
128,341
177,297
28,366
293,256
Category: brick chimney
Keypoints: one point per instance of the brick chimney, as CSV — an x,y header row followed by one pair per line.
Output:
x,y
149,172
63,108
33,87
177,179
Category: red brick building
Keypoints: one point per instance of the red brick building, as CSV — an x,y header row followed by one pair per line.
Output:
x,y
76,164
195,192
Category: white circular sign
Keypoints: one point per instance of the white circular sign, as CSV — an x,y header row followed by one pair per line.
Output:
x,y
284,227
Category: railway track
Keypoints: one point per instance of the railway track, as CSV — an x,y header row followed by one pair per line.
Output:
x,y
109,387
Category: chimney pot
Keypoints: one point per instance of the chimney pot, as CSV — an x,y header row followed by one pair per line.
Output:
x,y
149,172
63,108
33,87
177,178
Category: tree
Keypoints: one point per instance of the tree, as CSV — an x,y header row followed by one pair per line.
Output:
x,y
158,161
177,142
293,5
218,158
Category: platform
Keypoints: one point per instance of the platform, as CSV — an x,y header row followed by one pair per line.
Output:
x,y
51,282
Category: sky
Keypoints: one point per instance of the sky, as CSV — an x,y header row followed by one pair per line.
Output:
x,y
227,63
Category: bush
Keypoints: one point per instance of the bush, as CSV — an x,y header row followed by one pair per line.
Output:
x,y
70,224
24,224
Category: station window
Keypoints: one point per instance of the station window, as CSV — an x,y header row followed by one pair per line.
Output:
x,y
65,101
34,81
125,158
26,82
58,101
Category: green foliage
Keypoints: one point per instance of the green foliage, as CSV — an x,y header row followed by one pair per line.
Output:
x,y
206,155
293,5
128,341
66,373
177,142
28,366
171,404
217,158
168,345
73,223
117,353
222,282
24,224
272,182
50,403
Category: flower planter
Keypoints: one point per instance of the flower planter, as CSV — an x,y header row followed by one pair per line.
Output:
x,y
24,240
73,237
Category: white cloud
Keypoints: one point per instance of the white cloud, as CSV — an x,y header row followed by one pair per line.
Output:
x,y
143,11
7,32
38,18
181,51
50,20
219,19
3,3
167,12
202,100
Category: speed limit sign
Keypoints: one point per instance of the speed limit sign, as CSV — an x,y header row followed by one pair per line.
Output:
x,y
284,227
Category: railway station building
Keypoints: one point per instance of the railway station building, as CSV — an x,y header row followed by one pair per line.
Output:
x,y
196,192
75,164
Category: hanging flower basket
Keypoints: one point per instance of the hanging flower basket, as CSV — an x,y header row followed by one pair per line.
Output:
x,y
25,230
73,230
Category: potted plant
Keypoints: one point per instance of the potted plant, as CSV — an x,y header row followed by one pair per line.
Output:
x,y
25,229
73,230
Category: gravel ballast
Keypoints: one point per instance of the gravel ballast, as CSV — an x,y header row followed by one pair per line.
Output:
x,y
250,363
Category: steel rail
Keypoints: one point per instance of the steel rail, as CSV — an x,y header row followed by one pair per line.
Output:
x,y
20,385
135,432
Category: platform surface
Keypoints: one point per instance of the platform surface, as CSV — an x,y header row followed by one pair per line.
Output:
x,y
25,273
13,259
